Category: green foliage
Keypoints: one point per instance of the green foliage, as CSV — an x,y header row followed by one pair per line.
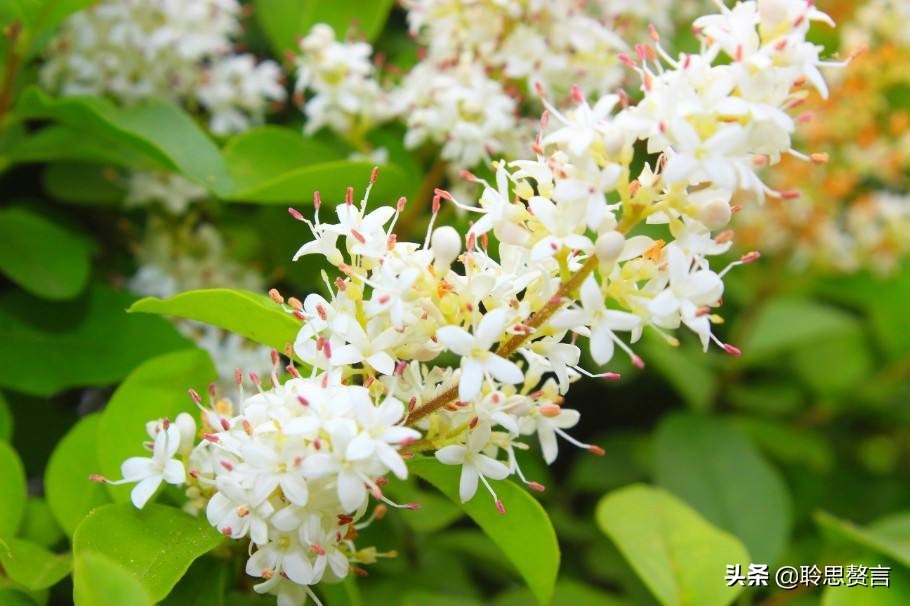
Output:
x,y
6,419
679,556
70,494
155,545
181,147
156,389
89,341
44,258
38,524
524,534
715,469
251,315
285,21
31,565
12,491
100,581
889,536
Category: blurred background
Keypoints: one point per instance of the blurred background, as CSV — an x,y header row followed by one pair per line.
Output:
x,y
799,448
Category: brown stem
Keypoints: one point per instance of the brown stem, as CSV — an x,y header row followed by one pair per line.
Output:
x,y
11,69
509,347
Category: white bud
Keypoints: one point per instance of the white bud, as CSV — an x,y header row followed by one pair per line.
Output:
x,y
608,247
186,425
613,141
715,214
446,245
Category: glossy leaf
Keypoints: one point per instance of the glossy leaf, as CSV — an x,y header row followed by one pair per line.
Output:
x,y
12,490
31,565
85,184
41,256
155,390
70,494
331,179
182,146
89,341
248,314
61,143
285,22
715,469
678,554
524,533
101,581
155,545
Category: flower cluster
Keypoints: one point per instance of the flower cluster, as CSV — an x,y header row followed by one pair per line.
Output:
x,y
463,346
854,211
181,50
345,95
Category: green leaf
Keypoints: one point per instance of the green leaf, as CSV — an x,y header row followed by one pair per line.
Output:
x,y
204,584
246,313
60,143
38,525
100,581
889,536
789,444
331,178
155,545
679,555
284,22
13,597
31,565
85,184
785,324
155,390
263,154
832,365
89,341
714,468
12,490
158,130
70,494
524,534
42,257
436,512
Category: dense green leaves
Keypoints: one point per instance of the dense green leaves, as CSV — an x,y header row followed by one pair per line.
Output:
x,y
524,534
41,256
253,316
182,146
89,341
155,545
12,490
715,469
100,581
155,390
284,22
69,492
676,553
31,565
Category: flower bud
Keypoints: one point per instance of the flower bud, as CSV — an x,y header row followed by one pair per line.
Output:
x,y
446,245
608,247
186,425
715,214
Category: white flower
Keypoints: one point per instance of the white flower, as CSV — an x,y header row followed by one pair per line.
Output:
x,y
149,472
474,464
477,360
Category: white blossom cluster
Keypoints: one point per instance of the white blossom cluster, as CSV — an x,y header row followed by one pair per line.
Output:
x,y
345,94
463,346
180,50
